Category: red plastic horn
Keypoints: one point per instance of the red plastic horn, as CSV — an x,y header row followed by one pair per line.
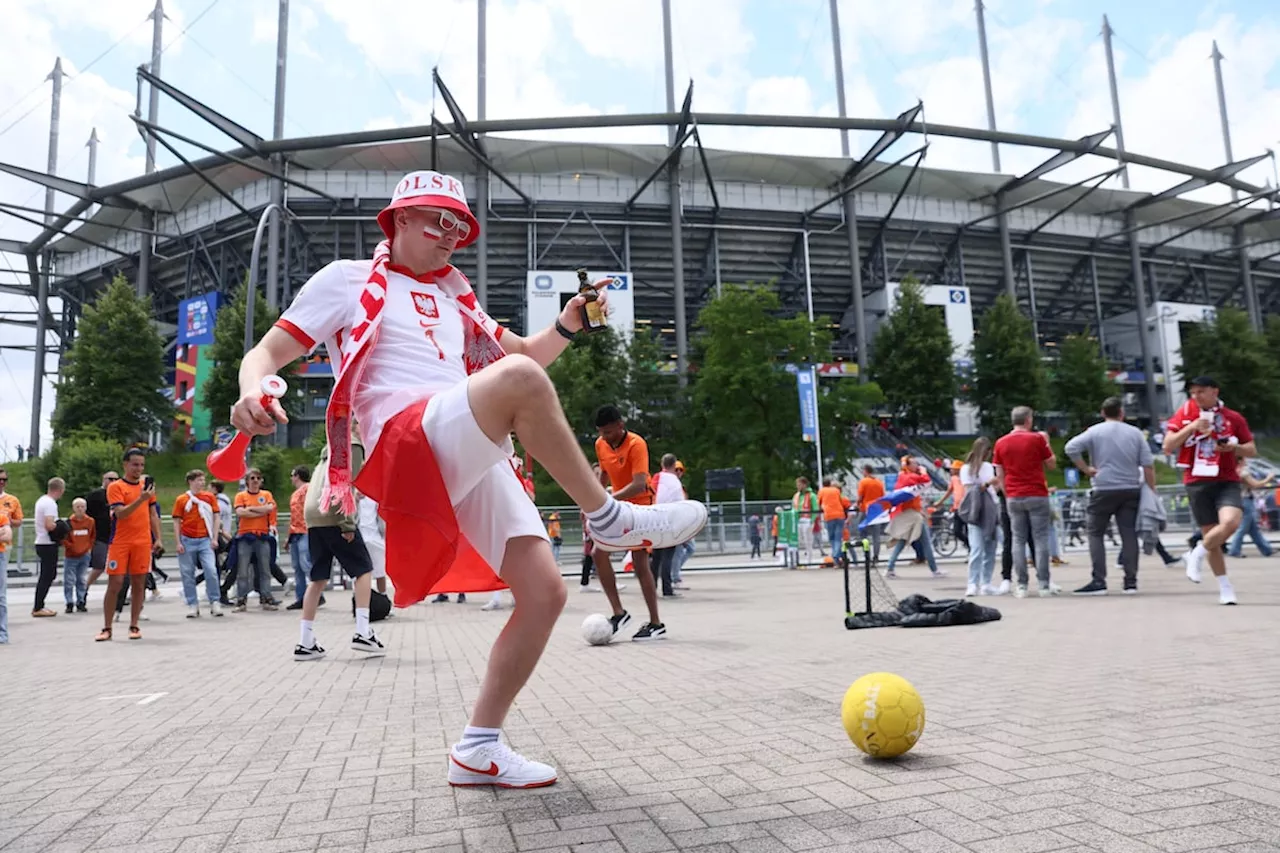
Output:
x,y
227,463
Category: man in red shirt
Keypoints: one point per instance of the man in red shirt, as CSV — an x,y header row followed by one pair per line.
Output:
x,y
1210,439
1021,458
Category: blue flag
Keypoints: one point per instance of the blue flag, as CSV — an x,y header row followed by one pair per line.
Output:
x,y
805,386
879,510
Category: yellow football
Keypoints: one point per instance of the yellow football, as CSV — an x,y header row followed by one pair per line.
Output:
x,y
883,714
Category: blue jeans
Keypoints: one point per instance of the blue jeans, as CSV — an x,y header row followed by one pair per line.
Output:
x,y
982,555
1249,526
300,557
198,551
4,596
835,535
924,545
74,590
677,561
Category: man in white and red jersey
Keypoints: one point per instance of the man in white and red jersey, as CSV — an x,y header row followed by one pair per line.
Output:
x,y
1210,439
438,388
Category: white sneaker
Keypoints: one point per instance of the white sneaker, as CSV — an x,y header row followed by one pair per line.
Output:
x,y
215,608
492,605
194,612
970,591
1020,591
1194,560
987,589
1227,595
1051,590
496,764
1003,588
658,526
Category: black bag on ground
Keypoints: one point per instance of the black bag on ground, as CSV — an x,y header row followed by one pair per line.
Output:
x,y
379,606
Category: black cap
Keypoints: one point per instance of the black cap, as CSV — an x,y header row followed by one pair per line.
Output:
x,y
1202,382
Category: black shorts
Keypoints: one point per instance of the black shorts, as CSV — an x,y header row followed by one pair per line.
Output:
x,y
1209,496
326,544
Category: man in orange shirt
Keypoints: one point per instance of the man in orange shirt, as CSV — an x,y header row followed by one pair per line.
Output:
x,y
299,551
834,508
195,524
135,538
255,508
78,547
11,518
871,489
624,461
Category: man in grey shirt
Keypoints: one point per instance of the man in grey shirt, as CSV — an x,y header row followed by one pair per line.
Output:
x,y
1119,460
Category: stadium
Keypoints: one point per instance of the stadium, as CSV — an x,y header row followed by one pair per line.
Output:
x,y
676,222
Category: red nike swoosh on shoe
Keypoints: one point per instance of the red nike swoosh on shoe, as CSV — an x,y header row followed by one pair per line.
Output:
x,y
492,771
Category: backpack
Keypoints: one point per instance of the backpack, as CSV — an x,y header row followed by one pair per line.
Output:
x,y
379,606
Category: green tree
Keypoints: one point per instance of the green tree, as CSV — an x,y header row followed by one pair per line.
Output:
x,y
745,408
1080,383
79,458
914,361
222,388
591,373
112,376
1007,369
1240,359
1272,332
653,399
274,465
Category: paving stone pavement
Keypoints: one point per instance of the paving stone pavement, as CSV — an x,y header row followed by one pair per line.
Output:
x,y
1116,724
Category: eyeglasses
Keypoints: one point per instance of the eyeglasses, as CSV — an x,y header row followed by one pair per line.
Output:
x,y
253,479
448,222
112,479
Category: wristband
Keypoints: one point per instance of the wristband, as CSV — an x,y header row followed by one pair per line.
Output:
x,y
564,333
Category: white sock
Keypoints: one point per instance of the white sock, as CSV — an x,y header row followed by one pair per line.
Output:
x,y
362,621
308,638
474,736
1223,582
610,519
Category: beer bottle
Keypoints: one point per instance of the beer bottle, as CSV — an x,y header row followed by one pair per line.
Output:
x,y
593,318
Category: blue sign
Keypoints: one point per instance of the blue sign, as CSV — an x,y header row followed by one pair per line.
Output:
x,y
543,282
1073,477
957,297
196,318
806,385
617,282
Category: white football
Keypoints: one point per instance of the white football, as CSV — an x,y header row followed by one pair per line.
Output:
x,y
597,630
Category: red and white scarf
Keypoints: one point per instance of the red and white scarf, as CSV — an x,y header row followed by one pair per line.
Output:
x,y
481,348
1200,453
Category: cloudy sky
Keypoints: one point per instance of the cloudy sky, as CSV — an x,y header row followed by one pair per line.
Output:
x,y
356,65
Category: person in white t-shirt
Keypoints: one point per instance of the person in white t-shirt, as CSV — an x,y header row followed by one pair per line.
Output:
x,y
46,516
667,489
984,528
438,388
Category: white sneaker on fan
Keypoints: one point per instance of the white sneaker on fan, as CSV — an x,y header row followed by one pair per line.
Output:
x,y
658,526
494,763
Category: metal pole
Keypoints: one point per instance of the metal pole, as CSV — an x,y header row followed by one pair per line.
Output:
x,y
251,292
1246,274
1006,252
673,200
1115,101
839,61
277,132
850,212
986,80
1097,303
1031,295
153,105
42,280
813,370
482,173
715,245
1140,302
92,145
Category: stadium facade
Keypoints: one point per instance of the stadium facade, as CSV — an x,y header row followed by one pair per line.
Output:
x,y
831,235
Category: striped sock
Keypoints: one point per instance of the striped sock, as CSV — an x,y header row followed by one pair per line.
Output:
x,y
474,736
607,520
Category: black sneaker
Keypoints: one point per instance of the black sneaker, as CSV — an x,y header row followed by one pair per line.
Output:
x,y
297,605
619,622
650,631
71,608
462,598
1092,588
369,645
82,607
301,652
1130,589
439,599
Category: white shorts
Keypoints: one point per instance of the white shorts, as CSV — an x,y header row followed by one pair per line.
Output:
x,y
488,498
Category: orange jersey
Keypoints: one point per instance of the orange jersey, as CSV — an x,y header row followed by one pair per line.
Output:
x,y
834,505
193,526
870,489
81,538
11,509
136,528
255,523
623,462
553,529
298,510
